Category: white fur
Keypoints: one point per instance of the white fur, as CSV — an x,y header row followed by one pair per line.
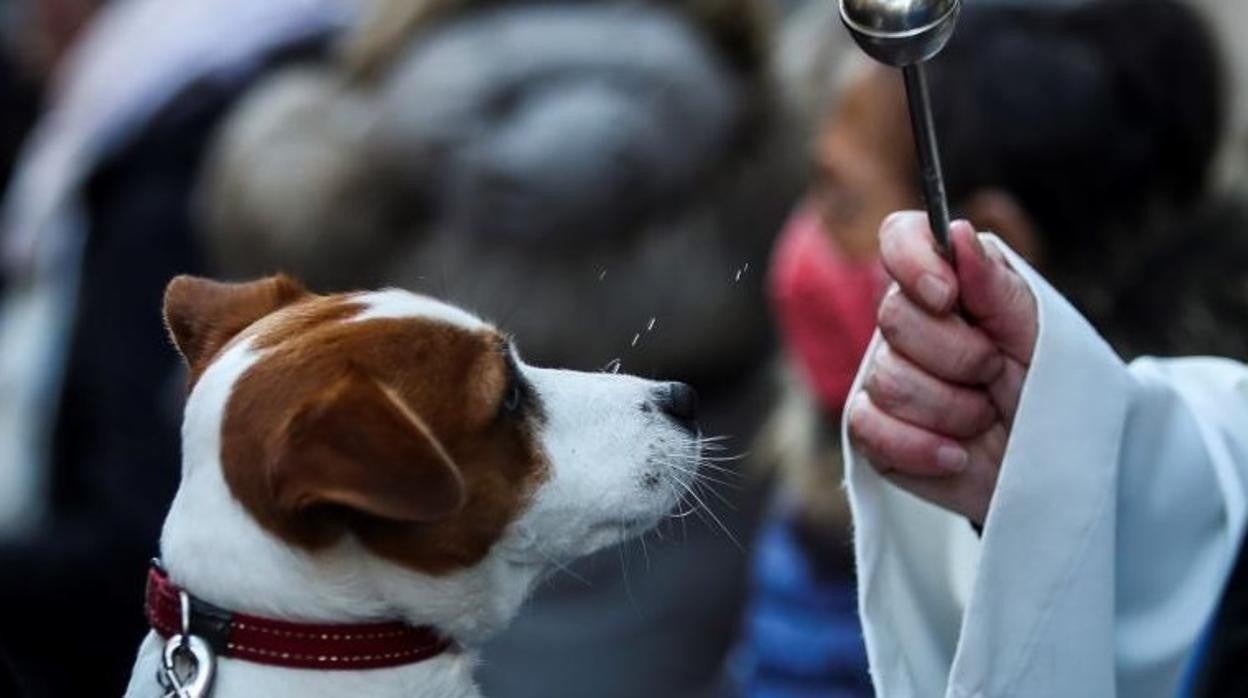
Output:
x,y
612,476
397,303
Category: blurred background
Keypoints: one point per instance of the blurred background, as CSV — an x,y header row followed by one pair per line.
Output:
x,y
686,189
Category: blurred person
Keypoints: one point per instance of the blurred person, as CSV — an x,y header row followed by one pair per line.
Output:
x,y
96,221
19,95
604,178
1228,20
18,108
37,34
1085,137
31,32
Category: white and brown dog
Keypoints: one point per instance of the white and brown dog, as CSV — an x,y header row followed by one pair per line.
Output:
x,y
372,483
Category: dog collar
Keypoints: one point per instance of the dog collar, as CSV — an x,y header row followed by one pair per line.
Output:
x,y
286,644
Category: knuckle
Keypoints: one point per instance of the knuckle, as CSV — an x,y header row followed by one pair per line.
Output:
x,y
887,385
970,359
973,415
881,464
860,431
987,414
889,316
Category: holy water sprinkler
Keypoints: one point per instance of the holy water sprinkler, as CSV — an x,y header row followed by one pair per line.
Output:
x,y
904,34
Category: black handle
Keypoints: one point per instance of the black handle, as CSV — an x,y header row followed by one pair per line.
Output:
x,y
924,128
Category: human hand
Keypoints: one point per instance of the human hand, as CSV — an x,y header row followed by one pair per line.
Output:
x,y
940,395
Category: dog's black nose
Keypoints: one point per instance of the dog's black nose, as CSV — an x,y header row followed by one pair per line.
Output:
x,y
680,402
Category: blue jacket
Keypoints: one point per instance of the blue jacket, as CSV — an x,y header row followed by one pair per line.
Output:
x,y
801,635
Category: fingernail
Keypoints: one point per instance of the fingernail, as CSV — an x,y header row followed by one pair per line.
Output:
x,y
978,246
952,458
934,291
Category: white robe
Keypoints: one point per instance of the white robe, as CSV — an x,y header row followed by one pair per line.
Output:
x,y
1117,515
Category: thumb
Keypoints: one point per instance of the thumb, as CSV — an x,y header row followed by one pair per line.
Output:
x,y
993,296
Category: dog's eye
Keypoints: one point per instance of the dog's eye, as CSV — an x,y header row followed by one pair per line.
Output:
x,y
515,396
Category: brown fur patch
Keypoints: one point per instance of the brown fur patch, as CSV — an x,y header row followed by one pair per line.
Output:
x,y
339,424
203,315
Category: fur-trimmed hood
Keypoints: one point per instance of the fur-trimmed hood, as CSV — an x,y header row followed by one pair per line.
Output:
x,y
571,170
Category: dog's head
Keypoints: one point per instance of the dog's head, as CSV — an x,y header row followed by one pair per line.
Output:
x,y
415,429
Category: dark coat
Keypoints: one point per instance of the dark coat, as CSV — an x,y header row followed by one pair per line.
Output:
x,y
72,614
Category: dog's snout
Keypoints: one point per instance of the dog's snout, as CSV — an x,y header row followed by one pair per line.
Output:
x,y
678,401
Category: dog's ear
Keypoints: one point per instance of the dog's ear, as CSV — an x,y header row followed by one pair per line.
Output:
x,y
203,315
357,445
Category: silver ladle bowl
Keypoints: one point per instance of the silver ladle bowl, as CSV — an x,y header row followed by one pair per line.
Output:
x,y
904,34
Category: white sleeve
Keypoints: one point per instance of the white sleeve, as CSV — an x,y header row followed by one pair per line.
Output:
x,y
1118,511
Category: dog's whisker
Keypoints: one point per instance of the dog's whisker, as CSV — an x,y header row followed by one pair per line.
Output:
x,y
727,478
644,551
696,505
724,479
683,507
684,529
628,587
711,479
679,490
718,495
696,476
703,465
562,567
726,472
679,466
720,456
725,459
682,514
719,522
715,518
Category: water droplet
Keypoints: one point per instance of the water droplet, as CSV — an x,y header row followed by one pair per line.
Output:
x,y
602,274
738,276
650,325
613,366
636,338
746,267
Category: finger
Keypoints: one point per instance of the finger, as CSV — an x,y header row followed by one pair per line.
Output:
x,y
891,444
944,346
1007,390
969,494
909,253
993,294
965,497
903,390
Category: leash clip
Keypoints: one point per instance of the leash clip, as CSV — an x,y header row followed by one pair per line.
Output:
x,y
187,663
